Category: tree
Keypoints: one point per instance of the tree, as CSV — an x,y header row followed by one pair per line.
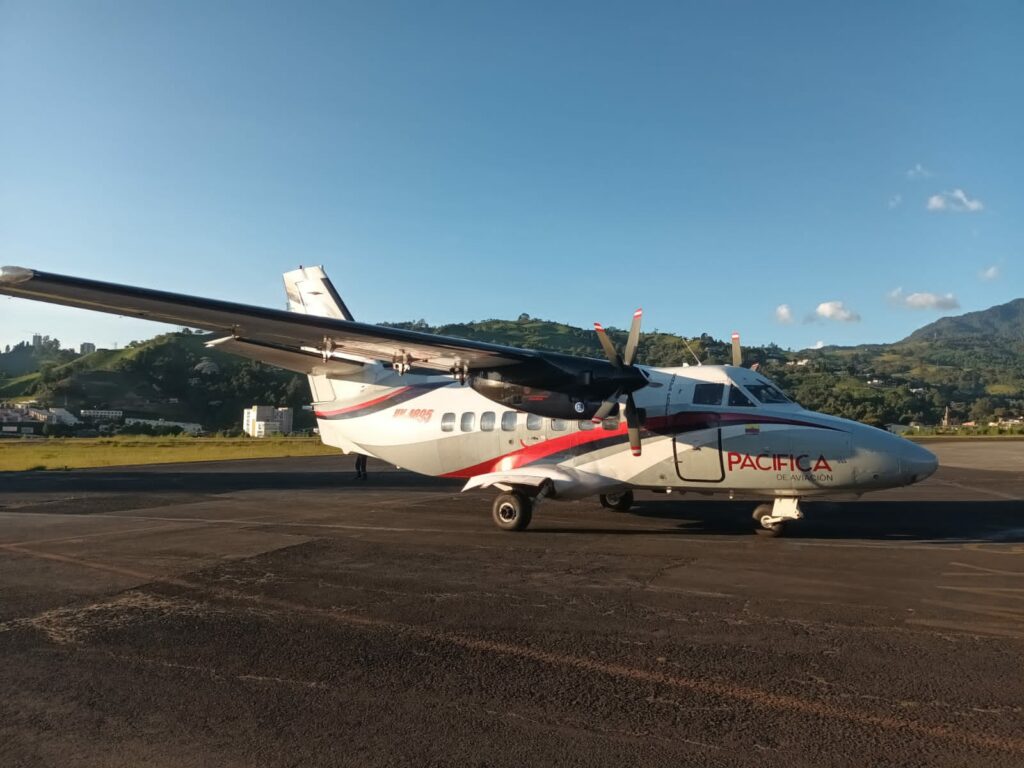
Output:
x,y
982,409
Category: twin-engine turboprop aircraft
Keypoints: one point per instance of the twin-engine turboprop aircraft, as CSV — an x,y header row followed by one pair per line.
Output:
x,y
534,425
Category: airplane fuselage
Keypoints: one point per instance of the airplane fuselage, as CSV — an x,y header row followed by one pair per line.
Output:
x,y
694,439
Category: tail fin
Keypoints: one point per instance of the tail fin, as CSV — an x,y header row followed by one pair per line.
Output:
x,y
311,293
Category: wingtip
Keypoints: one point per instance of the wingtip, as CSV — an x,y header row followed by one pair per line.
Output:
x,y
14,275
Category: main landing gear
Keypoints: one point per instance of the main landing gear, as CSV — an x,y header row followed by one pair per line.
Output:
x,y
620,502
770,519
512,511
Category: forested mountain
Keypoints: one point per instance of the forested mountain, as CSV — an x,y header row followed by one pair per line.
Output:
x,y
1003,322
973,364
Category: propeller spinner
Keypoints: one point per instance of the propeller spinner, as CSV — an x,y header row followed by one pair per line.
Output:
x,y
622,362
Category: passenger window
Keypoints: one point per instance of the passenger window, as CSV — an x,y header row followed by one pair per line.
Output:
x,y
611,424
468,421
487,421
736,397
533,421
586,425
708,394
508,421
559,425
448,422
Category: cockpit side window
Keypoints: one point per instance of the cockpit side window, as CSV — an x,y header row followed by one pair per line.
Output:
x,y
767,393
708,394
737,398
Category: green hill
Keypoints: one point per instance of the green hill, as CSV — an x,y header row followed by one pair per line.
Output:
x,y
172,376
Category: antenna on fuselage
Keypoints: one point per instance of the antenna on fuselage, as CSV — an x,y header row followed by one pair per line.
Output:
x,y
687,345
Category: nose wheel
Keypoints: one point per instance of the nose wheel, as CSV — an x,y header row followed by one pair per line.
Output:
x,y
770,520
763,523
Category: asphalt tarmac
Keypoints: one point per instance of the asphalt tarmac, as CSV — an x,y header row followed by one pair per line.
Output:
x,y
279,613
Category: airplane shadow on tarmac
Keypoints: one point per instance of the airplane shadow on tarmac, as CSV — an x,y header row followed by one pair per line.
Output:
x,y
947,521
155,481
911,521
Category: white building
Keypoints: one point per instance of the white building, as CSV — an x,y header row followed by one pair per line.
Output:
x,y
99,414
86,347
263,420
63,416
186,426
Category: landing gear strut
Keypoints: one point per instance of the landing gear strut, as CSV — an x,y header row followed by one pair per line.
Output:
x,y
512,511
771,519
620,502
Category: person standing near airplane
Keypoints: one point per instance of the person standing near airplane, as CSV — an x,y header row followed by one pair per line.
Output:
x,y
360,466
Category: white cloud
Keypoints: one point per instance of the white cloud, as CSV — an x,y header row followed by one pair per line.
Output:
x,y
836,310
923,300
818,344
956,201
918,172
894,201
989,273
783,314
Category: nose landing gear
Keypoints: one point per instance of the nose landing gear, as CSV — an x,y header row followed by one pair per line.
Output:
x,y
770,519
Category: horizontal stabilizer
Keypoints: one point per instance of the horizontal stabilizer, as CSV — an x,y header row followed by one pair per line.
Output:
x,y
309,363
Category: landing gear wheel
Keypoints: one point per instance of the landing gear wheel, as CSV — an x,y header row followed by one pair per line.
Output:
x,y
620,502
512,511
771,530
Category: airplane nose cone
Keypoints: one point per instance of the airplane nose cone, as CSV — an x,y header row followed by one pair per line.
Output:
x,y
918,463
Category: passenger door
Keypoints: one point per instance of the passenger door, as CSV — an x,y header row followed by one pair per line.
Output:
x,y
697,446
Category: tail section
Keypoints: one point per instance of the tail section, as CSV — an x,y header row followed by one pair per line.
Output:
x,y
310,293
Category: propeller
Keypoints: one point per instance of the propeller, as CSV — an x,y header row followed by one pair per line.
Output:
x,y
623,363
737,354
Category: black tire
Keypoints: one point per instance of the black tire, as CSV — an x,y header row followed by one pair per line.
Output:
x,y
620,502
771,531
512,511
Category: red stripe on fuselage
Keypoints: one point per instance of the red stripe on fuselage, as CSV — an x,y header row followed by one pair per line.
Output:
x,y
531,453
360,406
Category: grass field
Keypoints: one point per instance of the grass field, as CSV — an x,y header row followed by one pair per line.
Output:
x,y
76,453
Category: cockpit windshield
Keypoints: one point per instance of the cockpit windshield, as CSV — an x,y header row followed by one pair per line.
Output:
x,y
767,393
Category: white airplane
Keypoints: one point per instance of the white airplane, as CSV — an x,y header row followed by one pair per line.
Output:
x,y
534,425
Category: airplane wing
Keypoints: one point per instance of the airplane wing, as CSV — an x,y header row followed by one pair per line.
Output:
x,y
283,330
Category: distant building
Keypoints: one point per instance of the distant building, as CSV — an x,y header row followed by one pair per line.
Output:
x,y
37,340
86,348
39,414
99,414
263,420
63,416
186,426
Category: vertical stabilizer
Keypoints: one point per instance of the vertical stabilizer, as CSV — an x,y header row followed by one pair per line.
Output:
x,y
311,293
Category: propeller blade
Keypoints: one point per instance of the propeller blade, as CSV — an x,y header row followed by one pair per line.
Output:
x,y
634,338
606,344
633,425
737,353
606,408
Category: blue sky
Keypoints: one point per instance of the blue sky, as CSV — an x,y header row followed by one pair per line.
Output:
x,y
859,163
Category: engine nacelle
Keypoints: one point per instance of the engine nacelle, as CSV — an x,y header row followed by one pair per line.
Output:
x,y
542,402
